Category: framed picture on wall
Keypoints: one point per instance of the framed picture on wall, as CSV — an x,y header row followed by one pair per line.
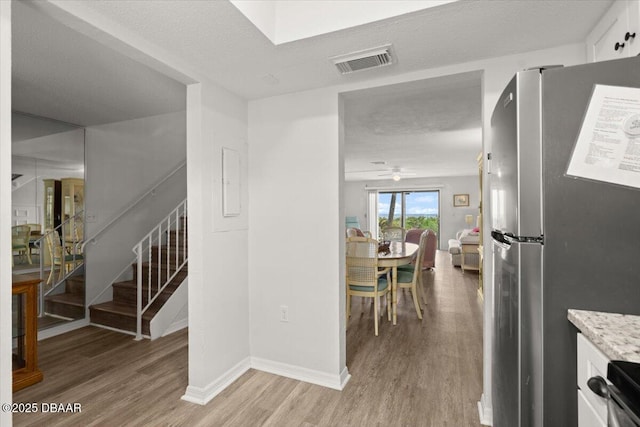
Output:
x,y
460,200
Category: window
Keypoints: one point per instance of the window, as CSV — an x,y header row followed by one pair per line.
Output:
x,y
409,209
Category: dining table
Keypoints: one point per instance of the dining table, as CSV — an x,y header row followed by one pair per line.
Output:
x,y
400,253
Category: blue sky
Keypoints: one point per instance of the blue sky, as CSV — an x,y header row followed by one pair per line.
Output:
x,y
418,203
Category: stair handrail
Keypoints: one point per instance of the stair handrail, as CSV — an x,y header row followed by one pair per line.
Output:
x,y
151,191
145,246
78,217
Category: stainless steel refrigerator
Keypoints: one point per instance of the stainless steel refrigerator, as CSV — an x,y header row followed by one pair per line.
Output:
x,y
558,242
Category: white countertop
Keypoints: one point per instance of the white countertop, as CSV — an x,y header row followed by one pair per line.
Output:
x,y
616,335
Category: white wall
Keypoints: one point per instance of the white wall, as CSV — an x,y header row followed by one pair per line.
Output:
x,y
295,233
5,210
123,161
451,218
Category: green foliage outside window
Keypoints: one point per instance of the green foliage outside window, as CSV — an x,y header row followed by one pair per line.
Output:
x,y
429,222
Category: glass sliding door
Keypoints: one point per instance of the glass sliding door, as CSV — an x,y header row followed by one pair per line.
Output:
x,y
390,210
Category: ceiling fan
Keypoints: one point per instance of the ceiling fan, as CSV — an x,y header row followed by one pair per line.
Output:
x,y
397,174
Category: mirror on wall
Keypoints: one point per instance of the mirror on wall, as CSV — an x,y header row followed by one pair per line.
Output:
x,y
43,150
47,193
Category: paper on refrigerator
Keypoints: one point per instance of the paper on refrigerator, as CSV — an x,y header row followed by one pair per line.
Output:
x,y
608,145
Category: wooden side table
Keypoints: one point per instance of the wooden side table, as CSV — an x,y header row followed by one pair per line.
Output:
x,y
24,325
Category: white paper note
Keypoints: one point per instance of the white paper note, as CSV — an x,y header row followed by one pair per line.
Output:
x,y
608,145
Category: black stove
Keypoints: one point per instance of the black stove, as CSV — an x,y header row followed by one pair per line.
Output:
x,y
625,388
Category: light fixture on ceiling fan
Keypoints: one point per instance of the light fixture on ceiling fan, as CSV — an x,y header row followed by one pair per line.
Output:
x,y
397,174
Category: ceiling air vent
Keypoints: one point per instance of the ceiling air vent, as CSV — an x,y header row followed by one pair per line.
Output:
x,y
363,59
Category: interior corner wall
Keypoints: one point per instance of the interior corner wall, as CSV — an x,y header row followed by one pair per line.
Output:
x,y
6,395
451,218
294,232
218,277
123,161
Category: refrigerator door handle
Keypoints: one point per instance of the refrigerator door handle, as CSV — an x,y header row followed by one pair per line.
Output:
x,y
500,238
510,238
524,239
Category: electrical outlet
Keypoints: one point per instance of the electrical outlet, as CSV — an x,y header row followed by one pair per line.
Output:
x,y
284,313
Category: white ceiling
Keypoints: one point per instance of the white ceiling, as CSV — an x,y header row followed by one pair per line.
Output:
x,y
61,74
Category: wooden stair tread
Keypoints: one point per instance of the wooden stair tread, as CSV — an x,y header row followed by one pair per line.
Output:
x,y
125,310
118,308
133,285
126,284
154,265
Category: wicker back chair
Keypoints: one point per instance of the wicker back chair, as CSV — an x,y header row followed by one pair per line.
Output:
x,y
364,279
412,279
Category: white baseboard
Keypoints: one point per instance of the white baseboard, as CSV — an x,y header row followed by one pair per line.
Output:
x,y
336,382
176,326
486,412
61,329
203,395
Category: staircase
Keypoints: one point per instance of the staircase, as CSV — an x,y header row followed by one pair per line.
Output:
x,y
164,267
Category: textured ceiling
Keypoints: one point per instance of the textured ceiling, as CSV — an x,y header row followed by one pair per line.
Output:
x,y
64,75
427,128
433,130
215,37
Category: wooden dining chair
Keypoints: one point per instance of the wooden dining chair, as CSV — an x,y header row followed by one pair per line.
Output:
x,y
363,278
412,279
34,234
20,241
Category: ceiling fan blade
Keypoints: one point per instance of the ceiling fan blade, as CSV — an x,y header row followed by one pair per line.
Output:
x,y
366,171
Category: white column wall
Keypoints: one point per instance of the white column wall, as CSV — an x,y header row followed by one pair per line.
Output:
x,y
295,230
218,276
5,211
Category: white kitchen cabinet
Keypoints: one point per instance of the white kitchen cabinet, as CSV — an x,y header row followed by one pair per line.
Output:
x,y
587,415
617,34
592,409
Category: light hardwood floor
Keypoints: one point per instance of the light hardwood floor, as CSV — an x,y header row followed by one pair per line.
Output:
x,y
417,373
